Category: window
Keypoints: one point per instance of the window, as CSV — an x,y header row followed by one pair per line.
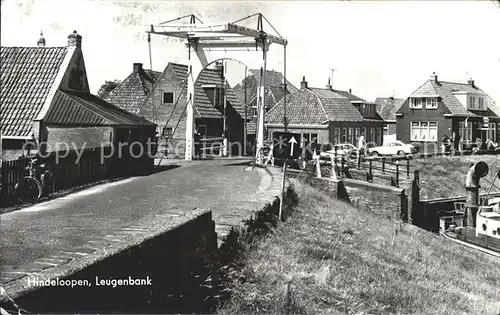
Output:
x,y
357,133
336,135
219,99
431,103
465,132
379,136
314,137
491,132
344,134
202,129
372,135
167,131
364,133
472,102
480,103
349,136
416,102
168,97
423,131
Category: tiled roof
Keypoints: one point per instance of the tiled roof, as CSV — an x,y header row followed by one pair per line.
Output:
x,y
445,91
272,95
131,93
27,75
83,109
272,78
387,107
306,107
204,107
251,83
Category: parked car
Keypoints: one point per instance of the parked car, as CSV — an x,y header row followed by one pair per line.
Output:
x,y
345,149
393,148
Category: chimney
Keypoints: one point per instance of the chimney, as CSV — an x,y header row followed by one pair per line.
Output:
x,y
41,41
137,67
329,86
350,91
434,77
391,98
471,82
303,84
219,67
74,40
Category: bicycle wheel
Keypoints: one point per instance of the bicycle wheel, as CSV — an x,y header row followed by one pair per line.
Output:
x,y
28,190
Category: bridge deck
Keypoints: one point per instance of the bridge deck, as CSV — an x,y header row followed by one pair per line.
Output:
x,y
70,224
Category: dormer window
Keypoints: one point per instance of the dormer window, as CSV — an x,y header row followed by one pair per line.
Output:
x,y
416,102
431,103
480,103
472,102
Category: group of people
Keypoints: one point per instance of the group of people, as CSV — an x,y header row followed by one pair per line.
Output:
x,y
453,143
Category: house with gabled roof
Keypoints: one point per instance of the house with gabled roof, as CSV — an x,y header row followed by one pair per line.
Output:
x,y
273,93
438,108
165,104
131,92
46,104
387,108
325,115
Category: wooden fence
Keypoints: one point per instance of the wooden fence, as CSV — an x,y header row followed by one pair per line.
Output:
x,y
71,169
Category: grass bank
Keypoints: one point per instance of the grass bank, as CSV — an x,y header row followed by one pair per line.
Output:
x,y
330,257
443,177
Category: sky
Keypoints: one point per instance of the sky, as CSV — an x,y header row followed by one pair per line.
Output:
x,y
379,49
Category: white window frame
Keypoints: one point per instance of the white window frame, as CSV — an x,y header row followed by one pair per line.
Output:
x,y
480,103
472,102
431,103
422,132
416,102
336,135
465,132
163,98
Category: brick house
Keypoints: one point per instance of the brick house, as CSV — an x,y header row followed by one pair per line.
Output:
x,y
387,108
438,108
273,93
327,115
165,103
46,102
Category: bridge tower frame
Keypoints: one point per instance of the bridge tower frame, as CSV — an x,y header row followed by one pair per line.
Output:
x,y
202,40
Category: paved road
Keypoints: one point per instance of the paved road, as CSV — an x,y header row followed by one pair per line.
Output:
x,y
38,231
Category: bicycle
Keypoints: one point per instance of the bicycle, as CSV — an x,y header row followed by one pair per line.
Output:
x,y
39,183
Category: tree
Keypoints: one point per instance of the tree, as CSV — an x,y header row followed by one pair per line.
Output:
x,y
107,87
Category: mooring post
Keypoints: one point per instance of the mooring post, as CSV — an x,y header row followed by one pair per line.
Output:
x,y
359,160
334,172
342,164
318,167
383,164
371,165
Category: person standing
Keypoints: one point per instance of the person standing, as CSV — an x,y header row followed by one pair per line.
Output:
x,y
361,145
197,144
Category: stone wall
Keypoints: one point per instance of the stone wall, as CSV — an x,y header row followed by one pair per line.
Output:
x,y
168,250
